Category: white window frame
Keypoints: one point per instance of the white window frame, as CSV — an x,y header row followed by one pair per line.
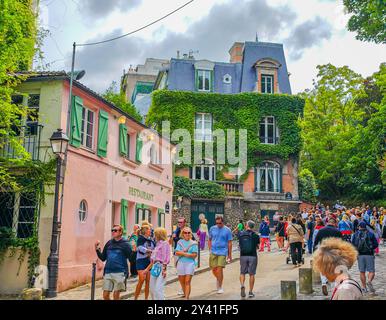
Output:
x,y
206,164
84,134
268,165
153,154
82,210
266,76
275,138
204,74
202,134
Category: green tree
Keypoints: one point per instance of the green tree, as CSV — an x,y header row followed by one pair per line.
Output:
x,y
119,100
18,33
307,185
344,133
368,19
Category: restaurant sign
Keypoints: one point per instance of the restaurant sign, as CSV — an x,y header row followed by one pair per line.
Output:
x,y
140,194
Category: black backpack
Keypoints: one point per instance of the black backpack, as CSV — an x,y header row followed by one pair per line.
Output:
x,y
365,245
246,243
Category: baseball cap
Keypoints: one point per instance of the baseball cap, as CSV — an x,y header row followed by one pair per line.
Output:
x,y
362,224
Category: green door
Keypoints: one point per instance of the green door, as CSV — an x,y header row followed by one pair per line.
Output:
x,y
209,209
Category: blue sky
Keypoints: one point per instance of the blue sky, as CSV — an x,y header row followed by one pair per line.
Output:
x,y
313,32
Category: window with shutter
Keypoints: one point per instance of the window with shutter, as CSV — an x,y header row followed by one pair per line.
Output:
x,y
123,150
124,210
102,133
138,153
76,121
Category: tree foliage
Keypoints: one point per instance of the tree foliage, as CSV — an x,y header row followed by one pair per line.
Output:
x,y
344,128
307,186
185,187
368,19
119,100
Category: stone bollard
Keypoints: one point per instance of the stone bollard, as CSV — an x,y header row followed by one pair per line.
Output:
x,y
32,294
288,290
305,280
315,275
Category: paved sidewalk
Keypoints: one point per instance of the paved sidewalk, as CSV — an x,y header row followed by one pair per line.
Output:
x,y
84,292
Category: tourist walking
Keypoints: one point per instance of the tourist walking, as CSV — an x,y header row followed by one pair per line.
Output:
x,y
159,260
249,244
116,252
240,227
133,246
345,227
365,242
280,233
220,247
310,226
185,255
202,232
296,240
265,235
383,224
329,231
334,258
145,246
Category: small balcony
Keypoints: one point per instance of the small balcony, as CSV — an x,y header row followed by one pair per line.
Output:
x,y
30,136
230,186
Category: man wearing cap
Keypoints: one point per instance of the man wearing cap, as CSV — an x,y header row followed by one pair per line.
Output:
x,y
365,242
329,231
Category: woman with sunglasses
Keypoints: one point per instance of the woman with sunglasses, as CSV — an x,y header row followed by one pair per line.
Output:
x,y
186,253
145,246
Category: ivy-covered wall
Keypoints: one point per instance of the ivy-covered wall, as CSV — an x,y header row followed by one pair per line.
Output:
x,y
233,111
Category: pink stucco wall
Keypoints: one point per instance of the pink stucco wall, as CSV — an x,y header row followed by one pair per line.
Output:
x,y
103,182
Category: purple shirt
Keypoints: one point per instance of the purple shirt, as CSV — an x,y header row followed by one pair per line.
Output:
x,y
161,252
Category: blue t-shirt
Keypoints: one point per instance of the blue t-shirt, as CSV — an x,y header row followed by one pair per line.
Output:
x,y
220,238
185,245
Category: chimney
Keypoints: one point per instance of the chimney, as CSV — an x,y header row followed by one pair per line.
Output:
x,y
236,52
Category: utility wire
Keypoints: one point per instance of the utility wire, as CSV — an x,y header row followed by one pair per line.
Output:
x,y
127,34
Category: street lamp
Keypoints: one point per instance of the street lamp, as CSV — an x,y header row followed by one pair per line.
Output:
x,y
59,144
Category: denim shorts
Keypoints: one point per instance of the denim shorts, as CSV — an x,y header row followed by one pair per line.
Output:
x,y
366,263
114,282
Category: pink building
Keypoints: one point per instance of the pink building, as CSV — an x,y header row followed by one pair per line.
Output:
x,y
118,172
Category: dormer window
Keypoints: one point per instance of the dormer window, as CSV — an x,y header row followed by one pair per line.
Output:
x,y
267,83
204,71
203,81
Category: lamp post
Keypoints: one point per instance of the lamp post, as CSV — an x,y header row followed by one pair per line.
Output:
x,y
59,144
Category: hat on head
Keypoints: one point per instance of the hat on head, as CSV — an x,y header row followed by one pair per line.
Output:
x,y
362,224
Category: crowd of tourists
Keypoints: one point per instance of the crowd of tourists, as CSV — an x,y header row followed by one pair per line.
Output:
x,y
336,238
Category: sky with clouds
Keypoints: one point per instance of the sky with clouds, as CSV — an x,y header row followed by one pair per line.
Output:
x,y
313,32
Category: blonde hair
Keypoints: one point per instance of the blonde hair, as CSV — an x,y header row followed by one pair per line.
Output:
x,y
144,229
344,218
145,222
332,254
188,229
160,234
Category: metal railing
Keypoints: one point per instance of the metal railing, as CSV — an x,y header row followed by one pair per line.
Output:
x,y
230,186
30,140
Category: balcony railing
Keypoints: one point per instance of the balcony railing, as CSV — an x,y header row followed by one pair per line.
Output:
x,y
230,186
30,136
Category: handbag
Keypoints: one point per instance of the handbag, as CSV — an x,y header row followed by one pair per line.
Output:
x,y
156,269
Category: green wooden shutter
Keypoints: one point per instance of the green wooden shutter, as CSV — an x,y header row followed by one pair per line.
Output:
x,y
138,153
211,80
102,133
76,121
123,140
124,210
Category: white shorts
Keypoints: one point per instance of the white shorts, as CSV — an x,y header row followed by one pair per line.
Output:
x,y
185,268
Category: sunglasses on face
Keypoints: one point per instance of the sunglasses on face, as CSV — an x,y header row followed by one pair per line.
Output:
x,y
187,233
115,230
219,223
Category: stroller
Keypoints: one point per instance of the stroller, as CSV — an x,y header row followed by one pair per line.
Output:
x,y
289,258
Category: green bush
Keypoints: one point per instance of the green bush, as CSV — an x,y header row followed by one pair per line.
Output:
x,y
184,187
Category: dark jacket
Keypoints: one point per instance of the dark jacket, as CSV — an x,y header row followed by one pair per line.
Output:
x,y
326,232
374,243
264,228
115,253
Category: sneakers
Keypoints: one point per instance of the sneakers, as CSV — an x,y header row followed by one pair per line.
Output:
x,y
370,285
242,293
364,290
180,293
220,291
251,294
324,289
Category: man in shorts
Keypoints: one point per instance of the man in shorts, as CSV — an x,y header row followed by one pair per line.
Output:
x,y
249,244
365,242
220,248
116,252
